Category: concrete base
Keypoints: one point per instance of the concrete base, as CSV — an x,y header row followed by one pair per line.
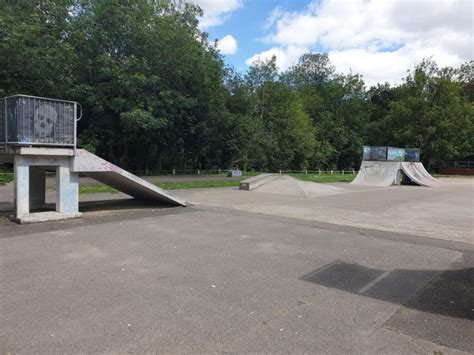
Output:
x,y
31,164
39,217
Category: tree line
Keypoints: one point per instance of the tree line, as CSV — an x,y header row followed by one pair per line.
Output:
x,y
157,94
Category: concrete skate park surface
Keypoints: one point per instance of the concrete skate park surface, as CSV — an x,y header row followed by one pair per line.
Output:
x,y
367,270
443,213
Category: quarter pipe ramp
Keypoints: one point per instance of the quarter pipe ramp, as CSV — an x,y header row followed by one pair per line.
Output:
x,y
107,173
378,173
387,173
418,174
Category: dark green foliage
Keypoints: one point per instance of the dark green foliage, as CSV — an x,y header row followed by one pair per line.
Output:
x,y
156,94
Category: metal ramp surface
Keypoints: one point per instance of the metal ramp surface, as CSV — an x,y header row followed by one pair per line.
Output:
x,y
107,173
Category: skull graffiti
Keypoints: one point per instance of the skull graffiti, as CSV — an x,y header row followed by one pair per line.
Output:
x,y
45,118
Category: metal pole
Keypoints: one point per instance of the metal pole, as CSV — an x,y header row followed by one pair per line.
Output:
x,y
6,125
75,128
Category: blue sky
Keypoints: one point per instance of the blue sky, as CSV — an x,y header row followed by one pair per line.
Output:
x,y
380,39
246,25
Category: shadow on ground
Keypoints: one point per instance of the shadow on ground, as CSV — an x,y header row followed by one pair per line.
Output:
x,y
94,212
422,293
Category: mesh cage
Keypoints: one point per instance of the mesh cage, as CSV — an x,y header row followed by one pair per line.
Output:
x,y
34,120
2,121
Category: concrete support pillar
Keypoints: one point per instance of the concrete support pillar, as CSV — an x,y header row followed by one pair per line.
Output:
x,y
67,190
21,187
37,186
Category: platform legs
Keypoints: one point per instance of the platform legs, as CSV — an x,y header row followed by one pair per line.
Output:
x,y
67,195
30,188
22,188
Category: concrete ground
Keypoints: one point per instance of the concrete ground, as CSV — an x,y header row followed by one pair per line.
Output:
x,y
366,271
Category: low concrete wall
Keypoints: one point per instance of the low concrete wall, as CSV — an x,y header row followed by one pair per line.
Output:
x,y
256,181
456,171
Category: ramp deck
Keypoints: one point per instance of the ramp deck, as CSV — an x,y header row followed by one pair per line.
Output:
x,y
107,173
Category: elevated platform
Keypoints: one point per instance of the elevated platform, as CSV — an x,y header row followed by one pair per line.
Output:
x,y
32,163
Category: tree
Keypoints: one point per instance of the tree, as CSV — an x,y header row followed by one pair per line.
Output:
x,y
434,113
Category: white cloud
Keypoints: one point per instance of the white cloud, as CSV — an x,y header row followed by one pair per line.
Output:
x,y
378,39
216,12
284,57
227,45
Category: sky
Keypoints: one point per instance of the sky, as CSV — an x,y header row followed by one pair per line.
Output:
x,y
380,39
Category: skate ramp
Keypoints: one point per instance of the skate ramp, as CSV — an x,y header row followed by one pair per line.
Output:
x,y
256,181
417,173
288,185
378,173
109,174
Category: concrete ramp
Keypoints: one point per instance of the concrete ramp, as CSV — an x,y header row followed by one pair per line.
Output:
x,y
257,181
417,173
378,173
109,174
288,185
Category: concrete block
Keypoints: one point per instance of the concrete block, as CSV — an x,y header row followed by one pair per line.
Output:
x,y
45,217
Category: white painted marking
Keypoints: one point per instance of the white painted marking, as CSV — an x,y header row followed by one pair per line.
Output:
x,y
372,283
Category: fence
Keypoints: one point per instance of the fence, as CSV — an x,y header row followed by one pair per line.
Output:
x,y
6,175
459,164
457,168
224,171
32,120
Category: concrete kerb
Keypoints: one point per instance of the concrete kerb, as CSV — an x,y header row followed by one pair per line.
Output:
x,y
257,181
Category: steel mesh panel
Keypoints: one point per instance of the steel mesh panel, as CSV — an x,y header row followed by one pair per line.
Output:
x,y
2,120
40,121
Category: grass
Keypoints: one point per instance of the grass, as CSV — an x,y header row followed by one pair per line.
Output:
x,y
197,184
92,189
95,189
5,178
202,184
324,178
453,176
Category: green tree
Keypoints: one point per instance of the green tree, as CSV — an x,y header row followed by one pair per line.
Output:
x,y
433,112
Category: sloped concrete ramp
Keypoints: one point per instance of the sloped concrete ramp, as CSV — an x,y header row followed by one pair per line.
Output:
x,y
107,173
387,173
288,185
378,173
418,174
256,181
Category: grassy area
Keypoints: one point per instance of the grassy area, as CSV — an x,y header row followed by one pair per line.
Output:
x,y
453,176
324,178
197,184
5,178
92,189
202,184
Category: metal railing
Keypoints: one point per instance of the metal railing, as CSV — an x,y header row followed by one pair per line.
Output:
x,y
38,121
459,164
